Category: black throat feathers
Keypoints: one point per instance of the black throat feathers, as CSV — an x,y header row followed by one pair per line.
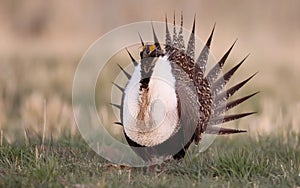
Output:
x,y
147,66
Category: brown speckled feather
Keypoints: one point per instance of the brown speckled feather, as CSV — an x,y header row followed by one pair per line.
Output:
x,y
201,99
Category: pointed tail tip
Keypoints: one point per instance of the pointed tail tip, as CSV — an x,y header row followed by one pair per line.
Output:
x,y
231,131
194,24
257,92
244,59
119,87
156,41
132,58
124,71
214,27
118,123
141,39
247,55
233,44
166,18
174,18
234,131
208,42
115,105
223,131
235,41
251,77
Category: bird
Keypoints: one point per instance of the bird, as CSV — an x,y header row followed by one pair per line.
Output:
x,y
170,100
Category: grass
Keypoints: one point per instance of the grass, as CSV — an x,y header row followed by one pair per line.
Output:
x,y
40,146
245,161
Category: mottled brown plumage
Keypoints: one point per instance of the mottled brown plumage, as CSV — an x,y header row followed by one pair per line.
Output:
x,y
201,101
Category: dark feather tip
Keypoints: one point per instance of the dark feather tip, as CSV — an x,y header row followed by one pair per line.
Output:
x,y
227,118
119,87
118,123
115,105
222,131
232,104
210,37
141,39
125,72
131,57
156,42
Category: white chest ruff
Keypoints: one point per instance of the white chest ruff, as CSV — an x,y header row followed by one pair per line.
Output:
x,y
161,115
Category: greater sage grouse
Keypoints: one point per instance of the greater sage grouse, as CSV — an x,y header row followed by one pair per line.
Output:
x,y
171,99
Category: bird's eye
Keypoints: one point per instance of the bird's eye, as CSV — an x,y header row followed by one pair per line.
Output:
x,y
151,48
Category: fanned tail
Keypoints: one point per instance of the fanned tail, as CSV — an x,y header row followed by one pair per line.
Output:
x,y
216,81
217,84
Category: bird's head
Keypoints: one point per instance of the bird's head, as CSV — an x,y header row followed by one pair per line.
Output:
x,y
149,54
150,50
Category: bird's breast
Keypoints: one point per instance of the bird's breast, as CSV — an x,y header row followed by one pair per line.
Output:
x,y
150,115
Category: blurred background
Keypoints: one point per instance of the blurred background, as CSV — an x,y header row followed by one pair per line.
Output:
x,y
41,43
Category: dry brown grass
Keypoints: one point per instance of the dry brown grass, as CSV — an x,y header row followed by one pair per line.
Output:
x,y
43,43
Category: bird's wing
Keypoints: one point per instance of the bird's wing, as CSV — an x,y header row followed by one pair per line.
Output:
x,y
188,104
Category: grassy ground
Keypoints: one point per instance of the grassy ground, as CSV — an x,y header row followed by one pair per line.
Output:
x,y
241,161
40,146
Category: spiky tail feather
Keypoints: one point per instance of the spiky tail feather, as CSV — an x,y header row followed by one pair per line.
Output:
x,y
221,131
219,106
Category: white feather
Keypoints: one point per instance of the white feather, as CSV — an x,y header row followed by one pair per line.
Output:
x,y
161,120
